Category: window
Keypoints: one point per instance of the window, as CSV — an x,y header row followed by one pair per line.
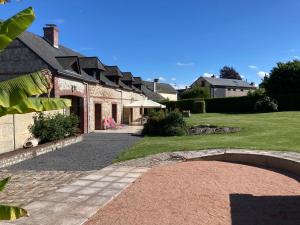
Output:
x,y
203,83
234,89
114,112
141,111
229,89
242,89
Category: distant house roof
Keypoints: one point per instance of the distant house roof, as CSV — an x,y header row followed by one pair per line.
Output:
x,y
52,56
225,82
150,94
160,87
91,63
112,71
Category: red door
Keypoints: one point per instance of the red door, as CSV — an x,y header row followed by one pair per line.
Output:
x,y
98,117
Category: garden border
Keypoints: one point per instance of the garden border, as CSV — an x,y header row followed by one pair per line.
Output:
x,y
17,156
287,161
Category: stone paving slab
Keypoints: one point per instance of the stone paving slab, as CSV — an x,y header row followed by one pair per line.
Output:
x,y
77,201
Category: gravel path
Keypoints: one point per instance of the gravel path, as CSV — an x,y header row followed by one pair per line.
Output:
x,y
96,151
206,193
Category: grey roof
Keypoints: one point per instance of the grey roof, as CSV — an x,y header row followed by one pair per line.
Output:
x,y
49,54
127,76
104,80
150,94
91,63
227,82
112,71
160,87
124,86
138,80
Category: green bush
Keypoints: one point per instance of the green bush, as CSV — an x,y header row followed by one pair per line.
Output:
x,y
194,105
266,104
288,102
195,92
243,104
161,124
49,128
199,107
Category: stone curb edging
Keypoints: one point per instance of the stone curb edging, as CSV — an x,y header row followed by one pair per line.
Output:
x,y
288,161
17,156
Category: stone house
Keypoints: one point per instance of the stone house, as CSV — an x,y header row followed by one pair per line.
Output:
x,y
221,88
164,90
97,91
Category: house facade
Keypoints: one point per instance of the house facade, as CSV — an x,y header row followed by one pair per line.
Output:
x,y
97,92
164,90
222,88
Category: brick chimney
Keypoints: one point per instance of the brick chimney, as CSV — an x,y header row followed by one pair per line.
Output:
x,y
51,34
155,85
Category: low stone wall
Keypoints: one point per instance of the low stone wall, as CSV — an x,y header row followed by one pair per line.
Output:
x,y
14,130
11,158
287,161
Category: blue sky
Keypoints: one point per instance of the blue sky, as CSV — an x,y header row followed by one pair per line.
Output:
x,y
175,40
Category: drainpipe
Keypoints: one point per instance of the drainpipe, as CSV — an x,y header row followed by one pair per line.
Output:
x,y
120,91
87,104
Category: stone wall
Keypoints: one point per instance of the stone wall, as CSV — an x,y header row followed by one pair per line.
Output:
x,y
105,96
236,92
14,130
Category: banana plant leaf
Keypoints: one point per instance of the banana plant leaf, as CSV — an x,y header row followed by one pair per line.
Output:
x,y
10,212
16,95
3,183
11,28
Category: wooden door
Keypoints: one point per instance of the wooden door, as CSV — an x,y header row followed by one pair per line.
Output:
x,y
98,117
114,112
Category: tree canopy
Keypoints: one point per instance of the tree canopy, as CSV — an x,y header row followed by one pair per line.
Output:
x,y
229,73
284,79
196,92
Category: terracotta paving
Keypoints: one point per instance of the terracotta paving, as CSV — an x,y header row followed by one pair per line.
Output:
x,y
204,192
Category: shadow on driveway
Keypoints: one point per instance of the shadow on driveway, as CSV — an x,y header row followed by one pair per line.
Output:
x,y
96,151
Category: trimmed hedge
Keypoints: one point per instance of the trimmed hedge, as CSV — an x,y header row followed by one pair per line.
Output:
x,y
231,104
246,104
194,105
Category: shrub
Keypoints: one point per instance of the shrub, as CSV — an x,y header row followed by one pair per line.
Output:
x,y
193,105
161,124
195,92
266,104
49,128
199,107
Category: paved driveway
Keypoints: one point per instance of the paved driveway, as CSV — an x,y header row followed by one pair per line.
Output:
x,y
96,151
34,178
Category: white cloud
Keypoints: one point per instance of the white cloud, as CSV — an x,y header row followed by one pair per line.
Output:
x,y
253,67
262,74
149,79
181,86
58,21
162,79
173,78
242,76
185,64
296,57
207,75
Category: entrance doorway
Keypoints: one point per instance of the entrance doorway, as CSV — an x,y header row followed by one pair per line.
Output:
x,y
77,109
98,117
114,112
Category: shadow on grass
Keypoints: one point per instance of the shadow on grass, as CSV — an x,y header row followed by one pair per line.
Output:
x,y
264,210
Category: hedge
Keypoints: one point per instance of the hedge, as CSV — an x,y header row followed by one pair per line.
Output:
x,y
231,104
194,105
246,104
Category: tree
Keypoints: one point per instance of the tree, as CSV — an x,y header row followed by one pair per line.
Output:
x,y
196,92
284,79
229,73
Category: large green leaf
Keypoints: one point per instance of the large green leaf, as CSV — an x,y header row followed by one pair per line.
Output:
x,y
3,183
11,212
16,95
11,28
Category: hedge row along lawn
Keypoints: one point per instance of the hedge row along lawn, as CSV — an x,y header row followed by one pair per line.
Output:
x,y
269,131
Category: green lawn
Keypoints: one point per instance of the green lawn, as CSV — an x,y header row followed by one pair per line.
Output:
x,y
270,131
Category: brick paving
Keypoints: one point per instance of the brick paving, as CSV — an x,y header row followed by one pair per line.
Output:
x,y
75,203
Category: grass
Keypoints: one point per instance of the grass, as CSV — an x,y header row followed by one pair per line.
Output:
x,y
270,131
